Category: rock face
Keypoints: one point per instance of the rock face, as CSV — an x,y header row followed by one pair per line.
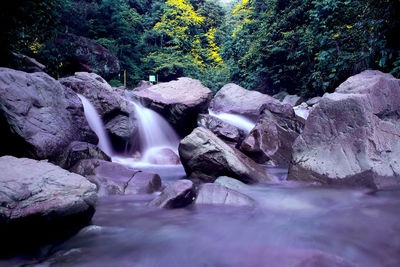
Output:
x,y
178,101
116,179
206,157
235,99
88,55
38,117
77,151
109,102
223,130
272,138
353,135
216,194
177,195
39,200
26,64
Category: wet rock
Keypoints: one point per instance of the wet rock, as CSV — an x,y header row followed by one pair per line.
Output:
x,y
235,99
178,101
313,101
77,151
121,130
87,55
302,111
38,117
216,194
223,130
272,138
177,195
230,183
293,100
353,135
206,157
162,156
116,179
41,201
280,96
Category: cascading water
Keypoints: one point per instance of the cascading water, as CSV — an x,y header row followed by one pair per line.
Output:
x,y
235,120
96,125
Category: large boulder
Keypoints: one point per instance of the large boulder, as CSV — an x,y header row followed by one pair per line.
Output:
x,y
25,63
206,157
216,194
116,179
293,100
77,151
272,138
38,117
220,128
111,104
87,56
177,195
178,101
235,99
41,201
353,135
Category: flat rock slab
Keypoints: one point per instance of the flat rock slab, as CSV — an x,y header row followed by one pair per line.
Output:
x,y
176,195
216,194
38,198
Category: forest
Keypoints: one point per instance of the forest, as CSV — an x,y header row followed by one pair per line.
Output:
x,y
303,47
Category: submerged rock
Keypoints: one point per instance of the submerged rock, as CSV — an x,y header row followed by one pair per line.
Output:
x,y
230,183
176,195
77,151
216,194
116,179
178,101
235,99
41,201
353,135
206,157
38,117
162,156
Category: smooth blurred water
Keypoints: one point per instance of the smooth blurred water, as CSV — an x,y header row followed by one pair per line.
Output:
x,y
235,120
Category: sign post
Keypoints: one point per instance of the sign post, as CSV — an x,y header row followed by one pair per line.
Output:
x,y
152,78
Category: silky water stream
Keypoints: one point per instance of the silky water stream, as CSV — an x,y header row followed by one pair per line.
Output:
x,y
291,225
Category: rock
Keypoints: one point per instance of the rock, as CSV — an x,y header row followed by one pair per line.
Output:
x,y
223,130
143,85
206,157
353,135
38,117
272,138
302,111
235,99
230,183
77,151
313,101
121,129
178,101
280,96
176,195
116,179
293,100
162,156
87,55
216,194
41,202
26,64
110,103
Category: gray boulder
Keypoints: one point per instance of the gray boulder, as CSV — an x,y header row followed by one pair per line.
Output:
x,y
121,130
353,135
231,183
313,101
235,99
41,201
293,100
177,195
38,117
223,130
77,151
178,101
116,179
216,194
272,138
26,64
206,157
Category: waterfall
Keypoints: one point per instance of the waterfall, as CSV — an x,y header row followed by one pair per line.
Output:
x,y
235,120
96,125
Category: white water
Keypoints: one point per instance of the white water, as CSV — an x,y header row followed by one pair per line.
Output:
x,y
96,125
235,120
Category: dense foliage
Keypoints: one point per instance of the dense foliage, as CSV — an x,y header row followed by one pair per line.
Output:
x,y
306,47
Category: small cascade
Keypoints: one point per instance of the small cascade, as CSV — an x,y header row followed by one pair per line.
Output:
x,y
235,120
96,125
